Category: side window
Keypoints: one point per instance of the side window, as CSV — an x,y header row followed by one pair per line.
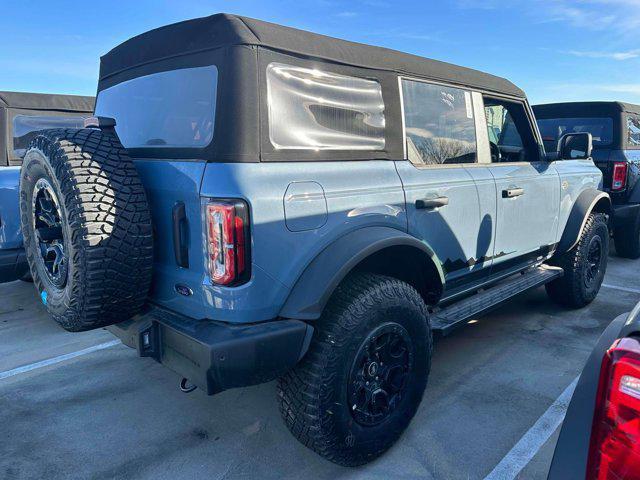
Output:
x,y
26,127
633,131
310,109
510,136
439,124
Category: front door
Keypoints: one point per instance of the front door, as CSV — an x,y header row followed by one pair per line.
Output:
x,y
527,186
444,206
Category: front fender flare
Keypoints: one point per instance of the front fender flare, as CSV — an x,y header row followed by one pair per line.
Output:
x,y
320,278
583,206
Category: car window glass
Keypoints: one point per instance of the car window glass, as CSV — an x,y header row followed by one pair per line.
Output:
x,y
312,109
552,129
26,127
633,130
439,124
167,109
510,136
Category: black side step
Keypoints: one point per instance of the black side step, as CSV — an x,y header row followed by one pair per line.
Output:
x,y
457,314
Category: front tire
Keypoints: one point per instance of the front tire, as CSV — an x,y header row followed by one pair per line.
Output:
x,y
584,265
363,378
627,239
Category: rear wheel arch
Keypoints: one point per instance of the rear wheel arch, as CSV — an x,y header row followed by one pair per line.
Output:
x,y
589,201
381,250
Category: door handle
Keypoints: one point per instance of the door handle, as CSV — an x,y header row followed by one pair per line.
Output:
x,y
512,192
431,203
180,250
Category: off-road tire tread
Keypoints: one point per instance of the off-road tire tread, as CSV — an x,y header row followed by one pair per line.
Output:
x,y
300,390
567,290
110,224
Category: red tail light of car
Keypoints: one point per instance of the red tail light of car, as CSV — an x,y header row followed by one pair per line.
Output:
x,y
614,452
619,176
228,241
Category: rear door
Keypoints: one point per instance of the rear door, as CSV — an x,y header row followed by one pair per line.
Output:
x,y
527,185
165,120
444,206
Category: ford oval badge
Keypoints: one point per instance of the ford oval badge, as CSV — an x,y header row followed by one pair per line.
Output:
x,y
184,290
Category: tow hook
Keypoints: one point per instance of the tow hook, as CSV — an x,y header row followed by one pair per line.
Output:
x,y
186,386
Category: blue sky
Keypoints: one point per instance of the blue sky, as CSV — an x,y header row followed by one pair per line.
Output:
x,y
555,49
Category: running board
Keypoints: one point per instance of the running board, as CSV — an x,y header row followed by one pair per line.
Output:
x,y
457,314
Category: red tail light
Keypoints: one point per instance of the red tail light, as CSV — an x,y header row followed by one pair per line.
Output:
x,y
227,241
615,438
619,176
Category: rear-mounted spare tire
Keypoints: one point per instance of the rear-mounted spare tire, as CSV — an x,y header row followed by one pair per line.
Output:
x,y
86,226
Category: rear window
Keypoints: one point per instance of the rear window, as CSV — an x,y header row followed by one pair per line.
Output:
x,y
26,127
173,109
633,131
551,129
310,109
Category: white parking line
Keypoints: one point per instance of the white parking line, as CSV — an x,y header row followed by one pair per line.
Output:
x,y
623,289
58,359
532,441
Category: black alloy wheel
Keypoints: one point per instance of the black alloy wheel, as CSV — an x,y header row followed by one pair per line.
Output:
x,y
48,229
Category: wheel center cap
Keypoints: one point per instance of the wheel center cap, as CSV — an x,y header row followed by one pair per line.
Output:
x,y
372,370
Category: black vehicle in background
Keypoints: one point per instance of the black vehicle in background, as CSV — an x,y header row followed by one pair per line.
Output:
x,y
600,436
615,127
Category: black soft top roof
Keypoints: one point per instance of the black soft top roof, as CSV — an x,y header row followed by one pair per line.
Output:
x,y
583,109
221,30
44,101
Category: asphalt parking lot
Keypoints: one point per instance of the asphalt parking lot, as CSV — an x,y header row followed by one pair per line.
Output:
x,y
104,413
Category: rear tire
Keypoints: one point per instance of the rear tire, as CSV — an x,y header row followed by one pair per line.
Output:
x,y
342,401
86,226
627,239
584,265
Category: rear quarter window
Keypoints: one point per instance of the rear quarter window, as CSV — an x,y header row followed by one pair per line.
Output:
x,y
312,109
173,109
26,127
633,131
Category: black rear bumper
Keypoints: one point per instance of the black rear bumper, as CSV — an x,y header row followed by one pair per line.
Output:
x,y
216,356
623,213
13,264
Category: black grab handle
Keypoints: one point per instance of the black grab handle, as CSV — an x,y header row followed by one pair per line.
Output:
x,y
431,203
179,222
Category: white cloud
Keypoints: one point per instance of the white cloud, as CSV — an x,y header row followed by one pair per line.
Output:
x,y
572,92
621,16
346,14
609,55
629,88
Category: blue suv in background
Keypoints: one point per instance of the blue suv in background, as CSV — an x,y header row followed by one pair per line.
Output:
x,y
21,115
254,202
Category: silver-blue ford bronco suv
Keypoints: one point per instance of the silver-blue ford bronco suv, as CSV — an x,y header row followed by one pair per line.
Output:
x,y
253,202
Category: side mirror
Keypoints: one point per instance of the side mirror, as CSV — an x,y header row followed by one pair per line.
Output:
x,y
575,146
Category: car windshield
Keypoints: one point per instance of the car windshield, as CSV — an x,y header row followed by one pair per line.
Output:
x,y
551,129
175,108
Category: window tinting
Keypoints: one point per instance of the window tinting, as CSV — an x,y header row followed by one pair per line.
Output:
x,y
551,129
439,124
316,110
633,131
26,127
167,109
